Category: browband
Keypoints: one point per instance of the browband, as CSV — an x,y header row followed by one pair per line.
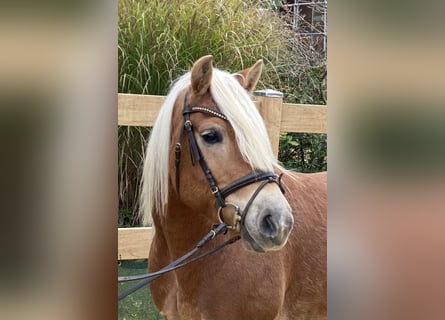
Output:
x,y
210,112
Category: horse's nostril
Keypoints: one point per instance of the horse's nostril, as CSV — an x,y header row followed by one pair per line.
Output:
x,y
269,226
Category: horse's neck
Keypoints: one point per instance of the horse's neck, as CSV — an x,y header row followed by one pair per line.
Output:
x,y
183,227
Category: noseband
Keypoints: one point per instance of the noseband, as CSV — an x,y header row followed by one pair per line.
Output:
x,y
220,194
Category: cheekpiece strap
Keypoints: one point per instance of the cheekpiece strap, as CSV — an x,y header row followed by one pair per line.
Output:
x,y
195,152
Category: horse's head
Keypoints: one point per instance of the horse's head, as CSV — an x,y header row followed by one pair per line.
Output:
x,y
220,151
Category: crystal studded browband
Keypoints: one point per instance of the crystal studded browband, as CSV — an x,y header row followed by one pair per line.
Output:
x,y
208,111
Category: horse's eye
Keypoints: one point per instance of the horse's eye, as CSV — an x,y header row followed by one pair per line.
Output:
x,y
211,136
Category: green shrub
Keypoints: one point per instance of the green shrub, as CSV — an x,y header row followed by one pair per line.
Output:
x,y
159,40
303,152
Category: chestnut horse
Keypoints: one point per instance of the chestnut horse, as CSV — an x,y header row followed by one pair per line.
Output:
x,y
278,269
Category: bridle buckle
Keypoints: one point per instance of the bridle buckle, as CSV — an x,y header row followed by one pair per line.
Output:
x,y
187,124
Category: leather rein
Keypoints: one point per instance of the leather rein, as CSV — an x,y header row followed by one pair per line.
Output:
x,y
220,194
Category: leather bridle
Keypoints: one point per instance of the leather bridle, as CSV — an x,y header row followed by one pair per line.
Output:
x,y
220,194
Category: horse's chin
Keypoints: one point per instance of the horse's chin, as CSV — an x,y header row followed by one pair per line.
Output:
x,y
258,246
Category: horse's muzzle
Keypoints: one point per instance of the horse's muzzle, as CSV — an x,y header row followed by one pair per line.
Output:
x,y
269,231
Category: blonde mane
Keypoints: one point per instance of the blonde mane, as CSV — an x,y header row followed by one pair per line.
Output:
x,y
233,101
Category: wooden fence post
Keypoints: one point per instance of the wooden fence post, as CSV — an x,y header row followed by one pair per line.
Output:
x,y
270,106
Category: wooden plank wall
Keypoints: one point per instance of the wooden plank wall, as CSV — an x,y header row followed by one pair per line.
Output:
x,y
134,243
141,110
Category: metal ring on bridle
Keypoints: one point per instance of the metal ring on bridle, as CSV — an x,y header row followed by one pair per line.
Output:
x,y
235,219
214,189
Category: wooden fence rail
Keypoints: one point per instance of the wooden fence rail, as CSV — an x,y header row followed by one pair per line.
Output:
x,y
142,110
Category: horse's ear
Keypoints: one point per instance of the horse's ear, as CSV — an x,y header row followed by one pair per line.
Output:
x,y
202,75
248,78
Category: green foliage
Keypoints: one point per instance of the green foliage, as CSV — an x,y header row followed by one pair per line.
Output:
x,y
132,141
160,40
306,85
303,152
303,80
126,218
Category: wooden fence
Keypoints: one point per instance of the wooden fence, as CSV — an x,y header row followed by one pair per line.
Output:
x,y
141,110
